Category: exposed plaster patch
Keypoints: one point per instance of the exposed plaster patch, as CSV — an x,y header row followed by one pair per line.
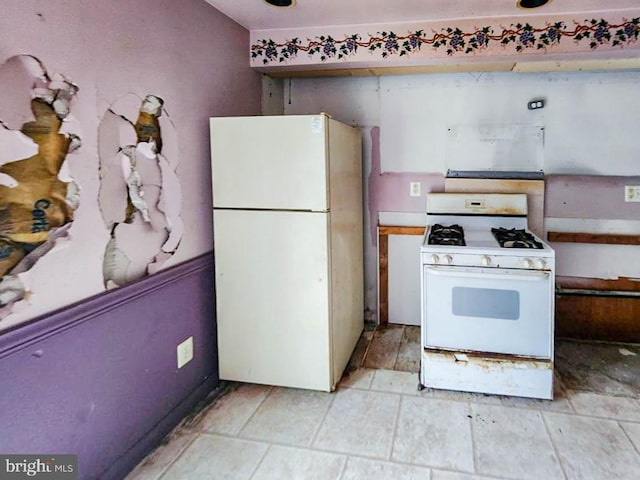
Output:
x,y
18,77
15,144
11,290
37,193
140,195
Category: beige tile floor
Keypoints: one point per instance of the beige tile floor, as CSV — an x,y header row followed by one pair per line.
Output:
x,y
377,425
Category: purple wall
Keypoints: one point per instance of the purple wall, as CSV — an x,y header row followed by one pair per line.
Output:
x,y
585,196
99,379
186,52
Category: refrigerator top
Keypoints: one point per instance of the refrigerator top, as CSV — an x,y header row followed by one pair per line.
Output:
x,y
246,117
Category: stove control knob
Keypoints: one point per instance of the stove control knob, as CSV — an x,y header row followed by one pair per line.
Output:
x,y
447,259
540,264
434,258
527,263
485,260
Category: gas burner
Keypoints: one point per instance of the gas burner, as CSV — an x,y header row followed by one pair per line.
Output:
x,y
451,230
446,235
515,238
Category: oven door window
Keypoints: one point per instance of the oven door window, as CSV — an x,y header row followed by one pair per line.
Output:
x,y
488,310
486,303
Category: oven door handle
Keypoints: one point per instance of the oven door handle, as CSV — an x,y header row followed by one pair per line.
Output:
x,y
530,276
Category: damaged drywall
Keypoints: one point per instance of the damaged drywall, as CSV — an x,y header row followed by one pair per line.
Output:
x,y
38,195
140,196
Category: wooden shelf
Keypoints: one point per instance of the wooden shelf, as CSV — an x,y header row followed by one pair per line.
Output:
x,y
600,238
398,230
623,284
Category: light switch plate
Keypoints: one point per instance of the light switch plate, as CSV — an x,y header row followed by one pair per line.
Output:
x,y
632,193
185,352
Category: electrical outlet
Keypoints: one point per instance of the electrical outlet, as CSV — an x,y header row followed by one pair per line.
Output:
x,y
535,104
632,193
414,189
185,352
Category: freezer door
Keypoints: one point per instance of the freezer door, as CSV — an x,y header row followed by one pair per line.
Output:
x,y
272,296
274,162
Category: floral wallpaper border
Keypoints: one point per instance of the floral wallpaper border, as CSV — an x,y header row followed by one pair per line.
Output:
x,y
452,40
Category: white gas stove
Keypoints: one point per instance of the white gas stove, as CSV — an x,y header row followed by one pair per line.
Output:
x,y
487,288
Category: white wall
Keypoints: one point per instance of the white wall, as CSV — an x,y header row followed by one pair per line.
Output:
x,y
590,125
587,116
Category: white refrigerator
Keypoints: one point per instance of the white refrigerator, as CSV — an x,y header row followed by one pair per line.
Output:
x,y
288,248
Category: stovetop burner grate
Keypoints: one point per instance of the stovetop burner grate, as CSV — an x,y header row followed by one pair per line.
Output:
x,y
446,235
515,238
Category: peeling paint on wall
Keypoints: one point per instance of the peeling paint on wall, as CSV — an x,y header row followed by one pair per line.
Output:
x,y
140,195
37,193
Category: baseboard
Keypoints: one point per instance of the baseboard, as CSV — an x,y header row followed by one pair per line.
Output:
x,y
152,439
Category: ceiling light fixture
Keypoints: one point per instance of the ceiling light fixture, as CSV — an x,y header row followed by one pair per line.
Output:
x,y
280,3
528,4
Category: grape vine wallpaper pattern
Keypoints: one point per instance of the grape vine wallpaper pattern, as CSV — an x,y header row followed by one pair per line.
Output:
x,y
516,38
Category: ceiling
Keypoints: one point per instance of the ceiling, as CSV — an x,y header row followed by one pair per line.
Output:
x,y
256,15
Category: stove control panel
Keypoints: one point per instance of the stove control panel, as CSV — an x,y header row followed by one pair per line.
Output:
x,y
488,261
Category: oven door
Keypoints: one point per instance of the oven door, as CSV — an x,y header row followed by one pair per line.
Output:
x,y
488,310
